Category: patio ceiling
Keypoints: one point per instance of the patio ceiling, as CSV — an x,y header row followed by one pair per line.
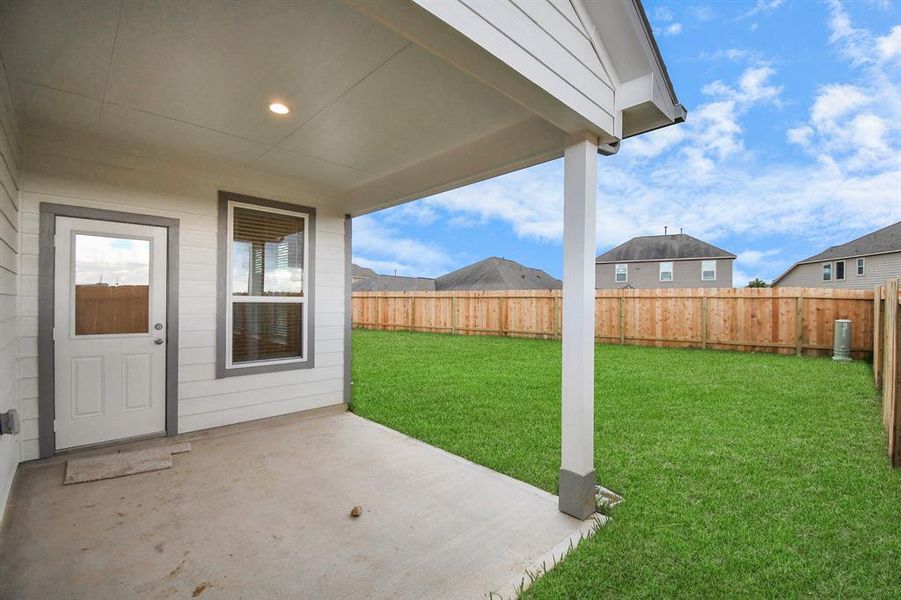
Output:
x,y
196,79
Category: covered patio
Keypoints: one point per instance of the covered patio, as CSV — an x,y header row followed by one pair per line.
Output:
x,y
261,510
205,161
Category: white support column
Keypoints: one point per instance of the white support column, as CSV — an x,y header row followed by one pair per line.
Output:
x,y
577,478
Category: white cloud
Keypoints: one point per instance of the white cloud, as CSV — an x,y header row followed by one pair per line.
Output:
x,y
889,46
739,55
672,29
763,6
379,246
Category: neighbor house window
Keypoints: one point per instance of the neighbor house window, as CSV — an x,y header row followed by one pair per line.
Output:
x,y
265,291
622,273
860,267
827,272
708,270
839,270
666,271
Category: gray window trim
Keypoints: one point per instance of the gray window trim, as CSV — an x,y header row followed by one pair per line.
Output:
x,y
860,266
222,287
46,263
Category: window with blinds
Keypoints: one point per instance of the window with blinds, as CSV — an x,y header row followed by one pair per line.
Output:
x,y
267,285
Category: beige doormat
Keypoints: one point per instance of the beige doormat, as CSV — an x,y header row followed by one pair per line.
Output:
x,y
120,464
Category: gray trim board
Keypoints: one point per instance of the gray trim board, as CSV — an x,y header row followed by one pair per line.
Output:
x,y
46,259
348,308
222,285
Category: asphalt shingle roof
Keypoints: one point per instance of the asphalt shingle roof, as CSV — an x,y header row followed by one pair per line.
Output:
x,y
391,283
497,274
663,247
887,239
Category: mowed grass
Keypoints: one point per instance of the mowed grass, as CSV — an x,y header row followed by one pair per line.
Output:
x,y
747,475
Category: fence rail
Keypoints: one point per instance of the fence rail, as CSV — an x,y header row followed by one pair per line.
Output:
x,y
783,320
886,338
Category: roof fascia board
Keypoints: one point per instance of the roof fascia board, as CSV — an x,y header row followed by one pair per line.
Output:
x,y
646,260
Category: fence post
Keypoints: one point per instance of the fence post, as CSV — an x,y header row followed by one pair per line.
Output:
x,y
453,315
622,319
557,316
704,321
799,324
894,425
877,335
890,369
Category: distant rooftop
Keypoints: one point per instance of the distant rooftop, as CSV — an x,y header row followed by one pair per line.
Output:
x,y
678,246
887,239
497,274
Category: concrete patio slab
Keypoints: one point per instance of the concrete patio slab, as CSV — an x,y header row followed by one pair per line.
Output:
x,y
263,512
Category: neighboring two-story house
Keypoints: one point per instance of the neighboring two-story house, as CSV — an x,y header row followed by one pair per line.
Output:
x,y
664,261
859,264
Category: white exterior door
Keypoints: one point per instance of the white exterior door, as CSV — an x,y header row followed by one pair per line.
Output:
x,y
109,331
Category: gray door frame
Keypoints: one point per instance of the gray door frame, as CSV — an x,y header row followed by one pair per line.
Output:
x,y
46,266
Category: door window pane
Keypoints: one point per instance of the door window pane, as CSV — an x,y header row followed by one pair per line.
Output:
x,y
267,253
112,285
266,331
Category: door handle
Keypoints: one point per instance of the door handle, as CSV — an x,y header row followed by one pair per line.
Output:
x,y
158,341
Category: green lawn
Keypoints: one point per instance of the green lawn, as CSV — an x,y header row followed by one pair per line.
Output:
x,y
744,474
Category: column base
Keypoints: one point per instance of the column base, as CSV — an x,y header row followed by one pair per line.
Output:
x,y
577,494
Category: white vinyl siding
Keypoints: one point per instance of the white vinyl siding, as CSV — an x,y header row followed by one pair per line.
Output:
x,y
666,271
10,271
621,273
708,270
102,176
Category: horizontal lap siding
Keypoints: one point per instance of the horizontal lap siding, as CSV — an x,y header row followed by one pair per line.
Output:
x,y
158,188
877,269
9,273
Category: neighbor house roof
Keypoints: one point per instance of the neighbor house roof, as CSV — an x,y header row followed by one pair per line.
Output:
x,y
358,272
887,239
678,246
392,283
497,274
881,241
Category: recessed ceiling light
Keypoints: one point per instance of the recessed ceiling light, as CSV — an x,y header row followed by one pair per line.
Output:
x,y
279,108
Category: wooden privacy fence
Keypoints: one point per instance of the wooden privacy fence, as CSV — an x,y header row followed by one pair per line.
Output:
x,y
784,320
885,363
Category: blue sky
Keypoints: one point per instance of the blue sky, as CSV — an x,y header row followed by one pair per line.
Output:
x,y
792,144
